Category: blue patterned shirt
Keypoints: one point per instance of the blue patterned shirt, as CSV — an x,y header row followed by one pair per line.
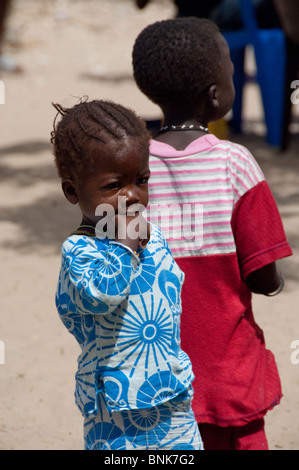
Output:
x,y
124,311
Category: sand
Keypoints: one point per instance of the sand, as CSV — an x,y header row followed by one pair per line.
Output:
x,y
70,49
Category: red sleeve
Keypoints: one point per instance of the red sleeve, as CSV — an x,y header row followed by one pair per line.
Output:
x,y
259,234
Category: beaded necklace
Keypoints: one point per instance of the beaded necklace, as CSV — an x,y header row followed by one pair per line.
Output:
x,y
184,127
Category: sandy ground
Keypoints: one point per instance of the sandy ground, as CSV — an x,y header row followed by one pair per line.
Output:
x,y
70,49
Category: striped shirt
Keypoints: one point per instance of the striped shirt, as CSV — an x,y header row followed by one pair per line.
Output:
x,y
193,193
222,223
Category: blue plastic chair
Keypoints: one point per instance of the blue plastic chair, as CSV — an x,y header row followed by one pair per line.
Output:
x,y
270,53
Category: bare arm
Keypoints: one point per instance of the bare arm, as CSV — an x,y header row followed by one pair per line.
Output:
x,y
265,280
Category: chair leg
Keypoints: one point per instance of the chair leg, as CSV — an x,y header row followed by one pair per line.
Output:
x,y
237,56
270,53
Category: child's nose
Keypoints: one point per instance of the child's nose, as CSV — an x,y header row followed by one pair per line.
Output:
x,y
132,195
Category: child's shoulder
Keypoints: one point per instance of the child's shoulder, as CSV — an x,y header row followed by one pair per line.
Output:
x,y
156,234
157,240
206,144
236,155
83,242
87,243
230,147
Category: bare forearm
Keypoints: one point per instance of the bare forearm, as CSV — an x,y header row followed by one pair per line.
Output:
x,y
265,280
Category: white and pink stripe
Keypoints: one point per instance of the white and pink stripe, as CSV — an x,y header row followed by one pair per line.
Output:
x,y
193,193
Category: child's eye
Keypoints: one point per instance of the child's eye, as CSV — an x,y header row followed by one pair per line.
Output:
x,y
143,180
112,185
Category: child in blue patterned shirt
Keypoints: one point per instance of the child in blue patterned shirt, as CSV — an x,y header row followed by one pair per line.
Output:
x,y
119,288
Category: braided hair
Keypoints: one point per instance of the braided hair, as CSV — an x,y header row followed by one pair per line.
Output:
x,y
176,60
102,123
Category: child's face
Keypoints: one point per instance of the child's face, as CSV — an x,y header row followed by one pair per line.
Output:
x,y
123,174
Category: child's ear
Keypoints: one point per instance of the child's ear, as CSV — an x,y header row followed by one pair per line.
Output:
x,y
69,191
213,97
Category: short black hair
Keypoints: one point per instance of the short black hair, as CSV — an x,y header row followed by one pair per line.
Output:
x,y
92,122
176,60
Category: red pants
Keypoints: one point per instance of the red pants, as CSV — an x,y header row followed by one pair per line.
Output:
x,y
249,437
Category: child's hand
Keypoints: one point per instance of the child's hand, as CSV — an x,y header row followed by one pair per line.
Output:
x,y
143,242
132,230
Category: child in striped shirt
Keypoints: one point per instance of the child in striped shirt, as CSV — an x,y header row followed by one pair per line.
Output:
x,y
222,225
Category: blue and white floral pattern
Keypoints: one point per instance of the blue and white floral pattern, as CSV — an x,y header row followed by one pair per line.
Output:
x,y
124,312
168,426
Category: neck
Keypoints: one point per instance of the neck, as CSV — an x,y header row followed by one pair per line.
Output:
x,y
174,116
87,222
180,138
172,121
184,127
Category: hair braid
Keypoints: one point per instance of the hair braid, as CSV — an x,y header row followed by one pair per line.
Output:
x,y
105,120
124,114
98,122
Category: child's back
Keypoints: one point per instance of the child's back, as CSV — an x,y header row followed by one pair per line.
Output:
x,y
232,250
